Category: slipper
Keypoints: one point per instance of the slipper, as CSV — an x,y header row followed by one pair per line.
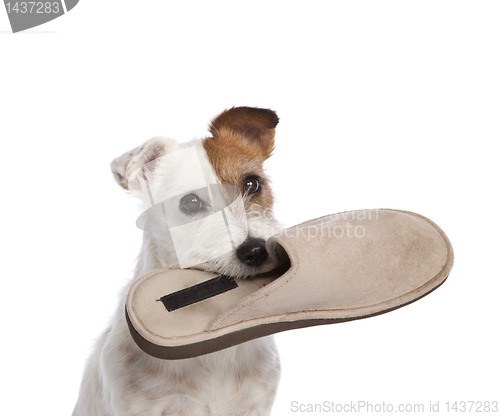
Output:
x,y
332,269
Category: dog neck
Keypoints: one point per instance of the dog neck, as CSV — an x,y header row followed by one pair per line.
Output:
x,y
149,258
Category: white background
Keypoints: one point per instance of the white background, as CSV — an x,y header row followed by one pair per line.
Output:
x,y
382,104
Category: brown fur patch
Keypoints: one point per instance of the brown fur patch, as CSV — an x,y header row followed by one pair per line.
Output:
x,y
233,160
243,138
256,125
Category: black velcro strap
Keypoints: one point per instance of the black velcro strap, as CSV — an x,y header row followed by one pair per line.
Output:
x,y
199,292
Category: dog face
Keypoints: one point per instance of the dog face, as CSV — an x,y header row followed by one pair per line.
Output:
x,y
207,201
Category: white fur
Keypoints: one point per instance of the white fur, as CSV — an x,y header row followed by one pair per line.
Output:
x,y
122,380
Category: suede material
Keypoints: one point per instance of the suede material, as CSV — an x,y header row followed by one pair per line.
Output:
x,y
396,254
395,258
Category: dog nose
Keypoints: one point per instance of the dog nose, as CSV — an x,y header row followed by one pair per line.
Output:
x,y
252,252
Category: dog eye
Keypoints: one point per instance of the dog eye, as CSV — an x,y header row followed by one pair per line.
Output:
x,y
191,203
252,185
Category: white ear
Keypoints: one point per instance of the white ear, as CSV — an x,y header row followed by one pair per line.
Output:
x,y
131,164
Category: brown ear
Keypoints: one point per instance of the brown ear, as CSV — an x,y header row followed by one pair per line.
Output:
x,y
255,125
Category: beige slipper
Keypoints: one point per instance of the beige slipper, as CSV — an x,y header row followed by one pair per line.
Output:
x,y
333,269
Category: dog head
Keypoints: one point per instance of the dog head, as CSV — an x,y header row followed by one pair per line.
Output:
x,y
207,201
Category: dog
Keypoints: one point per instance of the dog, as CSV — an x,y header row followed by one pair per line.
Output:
x,y
119,378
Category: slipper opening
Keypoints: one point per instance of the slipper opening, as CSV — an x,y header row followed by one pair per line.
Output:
x,y
284,265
